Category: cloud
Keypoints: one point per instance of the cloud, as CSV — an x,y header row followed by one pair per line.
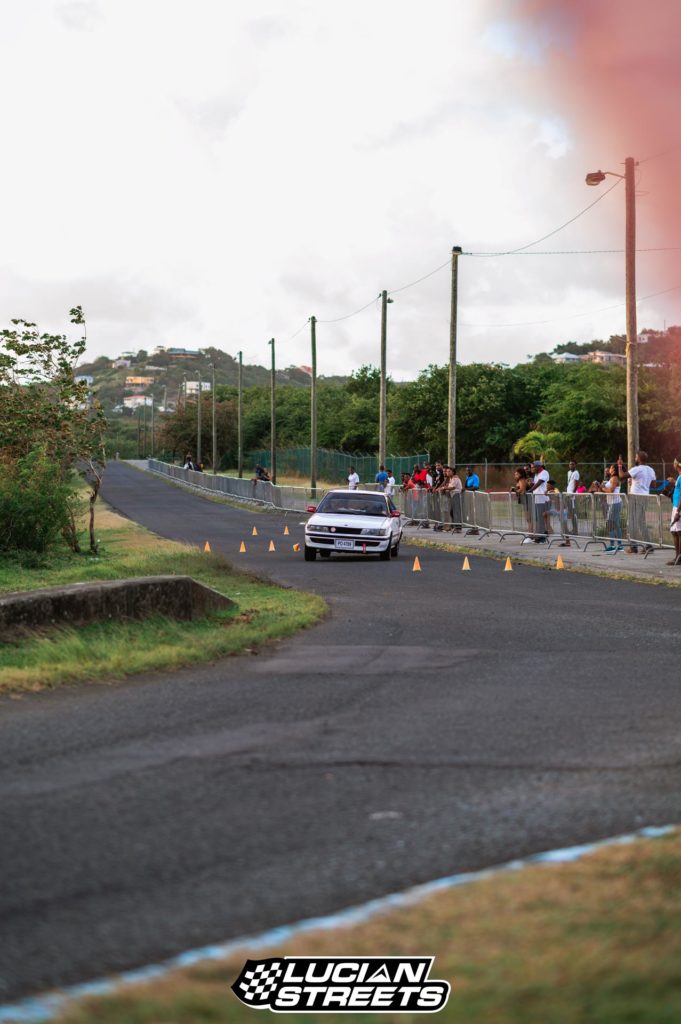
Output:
x,y
79,15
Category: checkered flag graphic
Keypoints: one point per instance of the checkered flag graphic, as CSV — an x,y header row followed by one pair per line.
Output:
x,y
257,982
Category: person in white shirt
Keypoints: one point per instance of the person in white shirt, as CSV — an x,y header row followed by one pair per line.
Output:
x,y
353,479
573,479
390,486
642,478
539,487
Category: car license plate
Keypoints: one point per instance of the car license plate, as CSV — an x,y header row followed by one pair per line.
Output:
x,y
344,545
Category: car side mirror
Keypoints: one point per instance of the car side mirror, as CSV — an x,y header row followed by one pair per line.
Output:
x,y
311,508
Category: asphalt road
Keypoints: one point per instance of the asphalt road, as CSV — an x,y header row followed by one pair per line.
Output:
x,y
435,722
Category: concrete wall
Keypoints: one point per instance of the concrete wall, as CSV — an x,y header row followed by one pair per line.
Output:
x,y
177,597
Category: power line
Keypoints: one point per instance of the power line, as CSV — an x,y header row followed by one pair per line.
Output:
x,y
348,315
296,333
573,316
419,279
510,252
573,252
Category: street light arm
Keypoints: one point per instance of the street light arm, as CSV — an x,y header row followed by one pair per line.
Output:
x,y
596,177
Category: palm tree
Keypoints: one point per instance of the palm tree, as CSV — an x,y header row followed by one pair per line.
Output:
x,y
537,445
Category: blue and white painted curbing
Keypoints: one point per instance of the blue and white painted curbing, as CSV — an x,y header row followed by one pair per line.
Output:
x,y
41,1008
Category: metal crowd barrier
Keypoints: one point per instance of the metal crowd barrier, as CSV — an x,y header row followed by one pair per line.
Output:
x,y
612,520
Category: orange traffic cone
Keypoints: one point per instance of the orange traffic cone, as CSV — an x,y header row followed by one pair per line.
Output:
x,y
560,564
296,547
206,546
254,531
286,531
466,567
417,565
242,548
271,547
508,567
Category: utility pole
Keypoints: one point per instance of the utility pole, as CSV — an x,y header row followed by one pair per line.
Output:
x,y
215,436
184,390
240,417
273,421
152,426
382,389
632,330
313,404
595,178
198,423
165,396
144,455
139,426
451,407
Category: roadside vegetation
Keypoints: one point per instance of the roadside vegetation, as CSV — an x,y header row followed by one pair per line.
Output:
x,y
112,650
592,942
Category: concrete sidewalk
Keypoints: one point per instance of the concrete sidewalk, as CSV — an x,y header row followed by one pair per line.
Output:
x,y
594,558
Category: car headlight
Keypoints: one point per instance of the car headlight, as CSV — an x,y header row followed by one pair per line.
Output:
x,y
317,529
373,532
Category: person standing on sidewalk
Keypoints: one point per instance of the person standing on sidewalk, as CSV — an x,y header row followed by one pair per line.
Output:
x,y
573,479
539,487
675,525
353,479
642,478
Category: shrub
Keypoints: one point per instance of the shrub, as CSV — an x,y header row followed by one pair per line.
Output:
x,y
37,504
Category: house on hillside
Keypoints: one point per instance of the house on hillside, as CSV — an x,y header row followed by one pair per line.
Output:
x,y
192,388
183,353
121,364
137,401
605,358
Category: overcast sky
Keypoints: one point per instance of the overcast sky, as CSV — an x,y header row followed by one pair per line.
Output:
x,y
213,172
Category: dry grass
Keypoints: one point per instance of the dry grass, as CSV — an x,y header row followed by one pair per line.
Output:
x,y
594,942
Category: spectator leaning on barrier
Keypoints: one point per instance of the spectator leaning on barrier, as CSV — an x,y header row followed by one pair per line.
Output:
x,y
353,479
390,486
675,525
472,479
381,478
642,478
612,488
454,488
539,487
573,479
188,462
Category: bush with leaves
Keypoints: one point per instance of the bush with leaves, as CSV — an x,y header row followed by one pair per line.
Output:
x,y
37,503
40,400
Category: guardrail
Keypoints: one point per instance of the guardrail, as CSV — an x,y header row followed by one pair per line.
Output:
x,y
607,519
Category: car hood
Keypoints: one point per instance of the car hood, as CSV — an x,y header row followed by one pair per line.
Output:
x,y
355,522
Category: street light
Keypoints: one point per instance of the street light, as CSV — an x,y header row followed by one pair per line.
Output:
x,y
595,178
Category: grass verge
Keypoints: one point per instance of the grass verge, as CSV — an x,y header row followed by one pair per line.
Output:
x,y
592,942
112,650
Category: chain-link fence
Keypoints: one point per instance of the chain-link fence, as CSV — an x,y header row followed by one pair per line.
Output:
x,y
332,465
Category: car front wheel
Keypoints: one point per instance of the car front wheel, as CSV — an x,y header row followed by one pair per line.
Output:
x,y
385,555
310,554
396,550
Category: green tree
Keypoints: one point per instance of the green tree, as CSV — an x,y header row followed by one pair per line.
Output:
x,y
42,401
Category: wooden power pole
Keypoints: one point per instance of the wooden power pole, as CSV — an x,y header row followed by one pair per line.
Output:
x,y
382,387
451,405
273,418
632,330
313,404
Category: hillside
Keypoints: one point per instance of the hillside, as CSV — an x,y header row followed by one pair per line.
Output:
x,y
168,374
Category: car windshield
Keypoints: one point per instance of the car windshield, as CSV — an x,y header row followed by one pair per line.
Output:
x,y
353,505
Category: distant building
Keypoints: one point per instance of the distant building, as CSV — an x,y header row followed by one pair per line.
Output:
x,y
144,382
121,364
567,357
606,358
85,378
182,353
136,401
193,387
129,355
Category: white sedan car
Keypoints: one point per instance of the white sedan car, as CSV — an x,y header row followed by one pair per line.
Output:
x,y
353,523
